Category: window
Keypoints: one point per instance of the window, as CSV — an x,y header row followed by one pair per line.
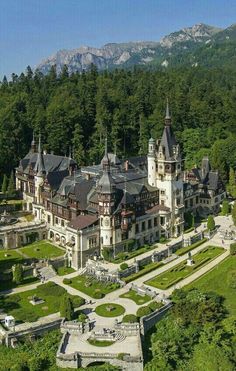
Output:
x,y
56,220
162,220
49,219
155,222
149,224
191,202
162,192
143,226
137,228
62,223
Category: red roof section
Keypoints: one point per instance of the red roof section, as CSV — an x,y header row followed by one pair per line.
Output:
x,y
82,221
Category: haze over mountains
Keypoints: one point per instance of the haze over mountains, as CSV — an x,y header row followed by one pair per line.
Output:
x,y
200,44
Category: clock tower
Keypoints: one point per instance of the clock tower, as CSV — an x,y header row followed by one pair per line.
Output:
x,y
106,199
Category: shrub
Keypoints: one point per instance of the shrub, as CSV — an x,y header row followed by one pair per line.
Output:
x,y
130,318
82,317
124,266
122,355
154,305
66,308
233,249
143,311
98,295
67,281
162,239
78,301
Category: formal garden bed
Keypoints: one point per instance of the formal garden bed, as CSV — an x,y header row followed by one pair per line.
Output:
x,y
110,310
42,250
181,271
90,286
19,306
142,271
138,299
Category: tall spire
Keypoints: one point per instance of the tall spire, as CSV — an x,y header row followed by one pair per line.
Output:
x,y
39,166
105,160
167,117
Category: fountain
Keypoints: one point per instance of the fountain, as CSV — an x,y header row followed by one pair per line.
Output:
x,y
7,219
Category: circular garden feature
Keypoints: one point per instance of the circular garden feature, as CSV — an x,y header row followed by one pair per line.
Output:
x,y
110,310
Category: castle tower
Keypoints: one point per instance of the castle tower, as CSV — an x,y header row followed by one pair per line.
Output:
x,y
106,199
168,174
40,173
151,160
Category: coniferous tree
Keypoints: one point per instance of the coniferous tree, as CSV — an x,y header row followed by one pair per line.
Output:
x,y
234,213
11,186
4,184
17,271
66,308
210,223
231,188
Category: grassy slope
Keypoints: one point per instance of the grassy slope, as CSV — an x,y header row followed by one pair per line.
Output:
x,y
216,280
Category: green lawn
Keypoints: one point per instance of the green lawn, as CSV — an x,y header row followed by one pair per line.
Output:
x,y
18,305
110,310
8,258
41,250
62,271
7,285
181,271
218,280
138,299
92,287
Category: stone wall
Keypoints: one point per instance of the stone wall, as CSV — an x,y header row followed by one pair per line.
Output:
x,y
151,319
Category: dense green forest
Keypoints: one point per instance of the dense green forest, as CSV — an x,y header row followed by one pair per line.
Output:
x,y
76,112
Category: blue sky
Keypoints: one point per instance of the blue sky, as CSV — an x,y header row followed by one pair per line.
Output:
x,y
31,30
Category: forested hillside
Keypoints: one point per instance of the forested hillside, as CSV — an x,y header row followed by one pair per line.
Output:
x,y
76,112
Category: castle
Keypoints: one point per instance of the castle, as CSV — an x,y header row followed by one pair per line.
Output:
x,y
116,205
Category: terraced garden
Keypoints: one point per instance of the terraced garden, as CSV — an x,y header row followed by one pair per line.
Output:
x,y
42,250
138,299
90,286
181,271
19,306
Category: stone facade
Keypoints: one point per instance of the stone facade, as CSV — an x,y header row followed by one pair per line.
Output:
x,y
116,205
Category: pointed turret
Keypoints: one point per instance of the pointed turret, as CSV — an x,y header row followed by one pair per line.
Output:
x,y
105,161
168,141
39,166
33,145
167,117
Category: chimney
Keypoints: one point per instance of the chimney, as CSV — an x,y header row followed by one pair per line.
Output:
x,y
126,165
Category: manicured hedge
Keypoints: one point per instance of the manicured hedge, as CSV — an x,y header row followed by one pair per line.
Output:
x,y
149,268
183,250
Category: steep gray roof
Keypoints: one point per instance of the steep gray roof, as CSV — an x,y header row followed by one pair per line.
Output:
x,y
168,141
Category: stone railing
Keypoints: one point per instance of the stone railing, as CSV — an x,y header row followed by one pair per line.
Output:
x,y
127,329
75,327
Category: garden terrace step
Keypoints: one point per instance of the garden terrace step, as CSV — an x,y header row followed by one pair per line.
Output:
x,y
47,272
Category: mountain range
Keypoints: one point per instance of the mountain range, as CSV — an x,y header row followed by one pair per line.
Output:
x,y
200,44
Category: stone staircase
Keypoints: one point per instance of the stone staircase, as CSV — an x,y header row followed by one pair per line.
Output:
x,y
47,272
